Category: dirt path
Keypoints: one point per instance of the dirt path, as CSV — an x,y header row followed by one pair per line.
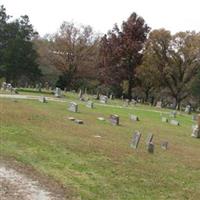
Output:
x,y
17,186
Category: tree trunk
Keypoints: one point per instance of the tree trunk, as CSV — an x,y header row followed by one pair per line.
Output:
x,y
177,103
130,84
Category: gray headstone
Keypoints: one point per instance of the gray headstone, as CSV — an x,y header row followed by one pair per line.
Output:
x,y
42,99
196,132
114,119
149,138
150,147
57,92
196,129
159,104
90,104
4,86
134,118
173,114
136,139
73,107
188,109
103,99
174,122
164,119
164,145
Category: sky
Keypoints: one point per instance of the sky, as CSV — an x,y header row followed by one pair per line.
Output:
x,y
47,15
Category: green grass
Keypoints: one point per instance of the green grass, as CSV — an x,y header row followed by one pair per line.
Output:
x,y
40,135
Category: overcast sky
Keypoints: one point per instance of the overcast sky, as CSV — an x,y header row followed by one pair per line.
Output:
x,y
47,15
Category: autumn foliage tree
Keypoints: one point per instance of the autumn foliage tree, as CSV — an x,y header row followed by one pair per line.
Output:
x,y
177,59
73,50
121,52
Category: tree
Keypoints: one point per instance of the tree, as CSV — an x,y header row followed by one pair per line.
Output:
x,y
121,51
73,52
18,56
177,59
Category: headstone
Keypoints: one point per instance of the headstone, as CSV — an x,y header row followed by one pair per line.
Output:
x,y
164,119
103,99
196,129
78,121
57,92
42,99
73,107
150,147
159,104
149,138
188,109
196,132
4,86
173,114
9,87
174,122
133,101
114,119
134,118
164,145
136,139
90,104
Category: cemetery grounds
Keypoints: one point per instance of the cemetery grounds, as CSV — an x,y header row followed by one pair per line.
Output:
x,y
94,160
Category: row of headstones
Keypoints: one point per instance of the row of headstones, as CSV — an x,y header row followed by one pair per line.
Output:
x,y
149,142
114,119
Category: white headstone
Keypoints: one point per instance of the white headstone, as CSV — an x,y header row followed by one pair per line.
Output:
x,y
73,107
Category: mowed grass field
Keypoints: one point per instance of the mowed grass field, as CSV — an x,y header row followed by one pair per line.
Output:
x,y
107,168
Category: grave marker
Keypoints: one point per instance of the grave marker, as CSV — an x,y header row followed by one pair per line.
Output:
x,y
149,138
164,145
103,99
150,147
57,92
42,99
114,119
90,104
73,107
174,122
164,119
134,118
159,104
188,109
196,129
136,139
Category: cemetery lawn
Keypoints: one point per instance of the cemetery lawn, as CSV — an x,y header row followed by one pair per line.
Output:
x,y
40,136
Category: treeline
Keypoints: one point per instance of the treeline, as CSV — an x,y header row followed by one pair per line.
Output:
x,y
132,60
